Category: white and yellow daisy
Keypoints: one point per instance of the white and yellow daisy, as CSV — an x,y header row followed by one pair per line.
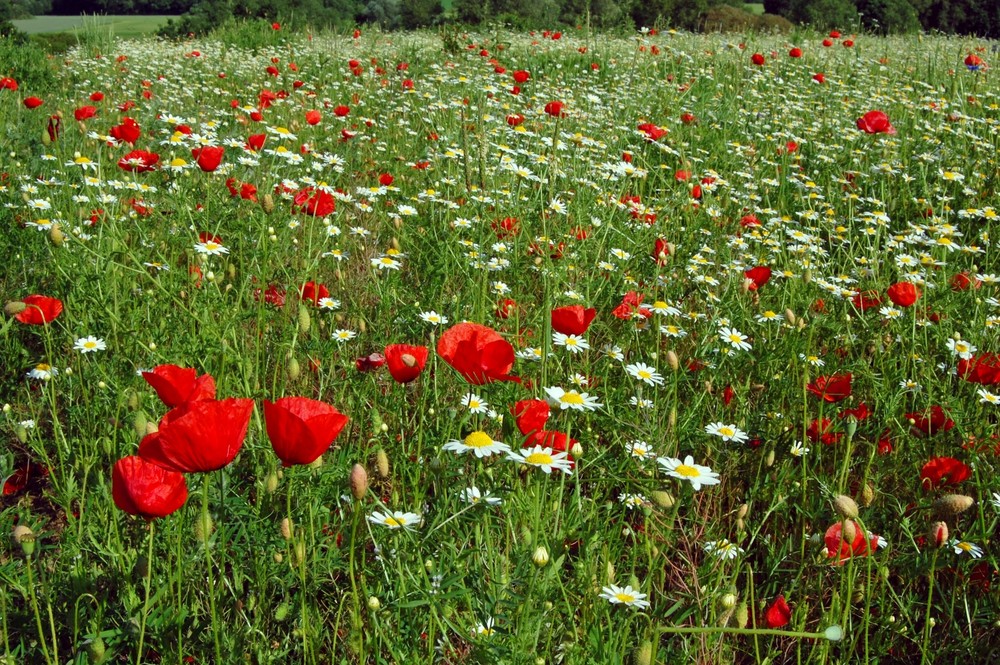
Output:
x,y
478,442
696,474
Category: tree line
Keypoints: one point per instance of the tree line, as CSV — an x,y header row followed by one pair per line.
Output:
x,y
975,17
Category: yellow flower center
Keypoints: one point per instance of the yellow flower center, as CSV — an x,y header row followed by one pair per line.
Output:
x,y
42,367
643,374
392,521
625,597
539,458
572,397
478,440
687,471
726,431
177,162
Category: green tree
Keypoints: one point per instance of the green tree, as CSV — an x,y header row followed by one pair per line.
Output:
x,y
888,16
420,13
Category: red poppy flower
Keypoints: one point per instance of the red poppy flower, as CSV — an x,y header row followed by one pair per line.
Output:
x,y
982,369
661,250
176,385
556,109
127,132
341,110
932,420
831,388
32,102
778,614
143,488
139,161
757,59
39,310
963,281
515,119
531,415
406,361
652,132
837,547
272,295
199,436
521,76
301,429
973,62
313,292
903,294
759,275
7,83
24,477
313,117
795,53
386,179
369,363
875,122
942,471
478,353
208,157
572,319
860,412
84,113
866,300
256,141
313,202
688,119
631,307
823,432
819,77
505,308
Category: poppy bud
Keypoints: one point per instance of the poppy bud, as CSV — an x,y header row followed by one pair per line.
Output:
x,y
845,506
140,423
952,504
848,531
867,495
662,499
56,235
643,654
728,601
14,307
742,512
300,552
304,321
286,528
271,483
672,360
769,460
374,604
790,316
267,203
96,650
21,433
540,556
742,615
203,527
359,482
292,369
382,463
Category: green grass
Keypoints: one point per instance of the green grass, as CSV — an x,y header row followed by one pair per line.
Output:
x,y
754,8
122,26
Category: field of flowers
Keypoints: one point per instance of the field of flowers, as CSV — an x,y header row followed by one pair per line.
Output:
x,y
521,348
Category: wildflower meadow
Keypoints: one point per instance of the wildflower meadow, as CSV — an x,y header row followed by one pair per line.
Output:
x,y
504,347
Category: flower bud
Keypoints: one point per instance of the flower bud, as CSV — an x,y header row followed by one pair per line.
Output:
x,y
938,534
728,601
867,495
540,556
286,528
834,633
374,604
267,203
848,531
643,654
304,321
952,504
96,650
292,369
139,423
769,460
271,483
845,506
576,450
382,463
203,527
742,615
300,552
742,512
790,316
672,361
851,427
662,499
14,307
56,235
359,482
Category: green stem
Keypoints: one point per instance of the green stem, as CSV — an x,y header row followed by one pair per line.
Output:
x,y
927,612
210,572
145,602
38,616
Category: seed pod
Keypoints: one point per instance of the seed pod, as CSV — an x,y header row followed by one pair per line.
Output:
x,y
952,504
845,506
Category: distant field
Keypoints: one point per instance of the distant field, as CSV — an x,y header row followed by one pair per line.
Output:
x,y
123,26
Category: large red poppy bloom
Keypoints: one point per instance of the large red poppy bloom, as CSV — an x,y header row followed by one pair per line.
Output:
x,y
39,310
143,488
313,202
85,113
778,614
314,292
572,319
823,431
932,420
556,109
521,76
176,385
837,547
875,122
32,102
127,132
139,161
406,361
652,132
942,471
982,369
208,157
903,294
478,353
531,415
199,436
758,275
831,388
301,429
